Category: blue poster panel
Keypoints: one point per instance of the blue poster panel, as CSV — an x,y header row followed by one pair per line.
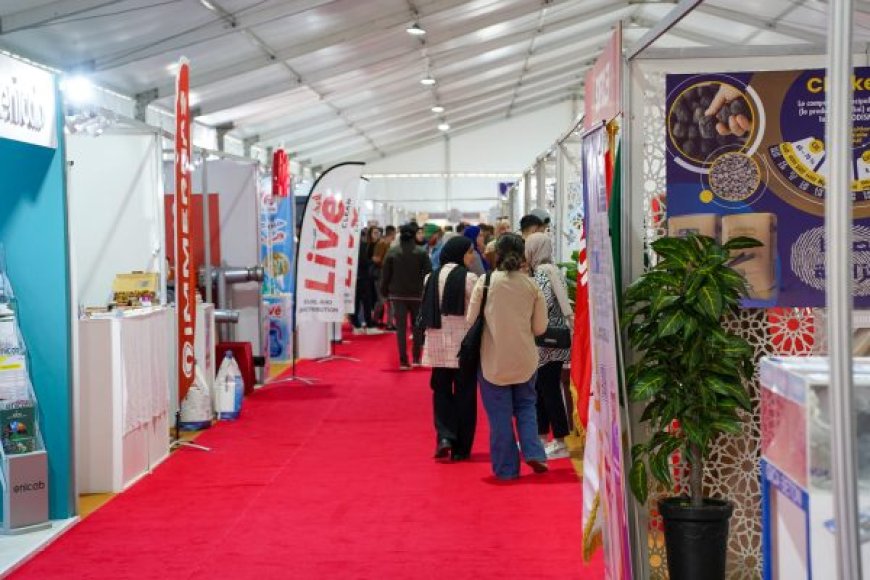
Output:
x,y
746,157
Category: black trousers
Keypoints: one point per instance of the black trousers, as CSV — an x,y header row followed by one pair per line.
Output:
x,y
454,402
406,312
551,405
365,303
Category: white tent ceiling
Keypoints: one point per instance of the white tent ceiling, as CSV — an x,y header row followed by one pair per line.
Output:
x,y
335,79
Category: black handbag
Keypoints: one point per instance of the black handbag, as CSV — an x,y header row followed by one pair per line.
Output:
x,y
469,350
555,337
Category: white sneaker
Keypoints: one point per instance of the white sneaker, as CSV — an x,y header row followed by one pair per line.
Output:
x,y
374,331
359,331
557,450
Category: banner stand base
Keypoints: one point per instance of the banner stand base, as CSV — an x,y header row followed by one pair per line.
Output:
x,y
335,357
178,442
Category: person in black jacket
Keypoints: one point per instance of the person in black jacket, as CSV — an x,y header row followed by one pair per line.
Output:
x,y
405,268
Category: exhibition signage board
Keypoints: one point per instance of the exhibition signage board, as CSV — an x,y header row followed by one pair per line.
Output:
x,y
28,103
277,243
605,366
746,157
185,277
322,256
603,87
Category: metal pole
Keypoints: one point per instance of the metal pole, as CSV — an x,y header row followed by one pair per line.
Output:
x,y
541,178
206,228
447,171
558,224
527,193
838,243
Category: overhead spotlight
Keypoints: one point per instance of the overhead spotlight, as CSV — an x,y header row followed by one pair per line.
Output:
x,y
427,80
443,127
415,30
78,89
207,5
437,109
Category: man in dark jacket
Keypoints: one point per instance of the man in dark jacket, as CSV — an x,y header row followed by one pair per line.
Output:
x,y
405,268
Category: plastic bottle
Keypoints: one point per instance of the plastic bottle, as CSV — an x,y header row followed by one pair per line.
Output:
x,y
229,389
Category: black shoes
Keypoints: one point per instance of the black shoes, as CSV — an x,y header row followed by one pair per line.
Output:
x,y
461,456
443,449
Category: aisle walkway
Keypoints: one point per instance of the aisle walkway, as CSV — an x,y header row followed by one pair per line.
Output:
x,y
332,481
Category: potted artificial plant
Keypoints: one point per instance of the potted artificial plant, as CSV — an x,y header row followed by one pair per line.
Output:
x,y
690,370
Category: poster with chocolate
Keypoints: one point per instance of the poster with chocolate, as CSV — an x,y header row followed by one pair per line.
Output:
x,y
747,151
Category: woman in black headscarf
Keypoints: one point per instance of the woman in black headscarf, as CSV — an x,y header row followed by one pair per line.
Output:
x,y
454,389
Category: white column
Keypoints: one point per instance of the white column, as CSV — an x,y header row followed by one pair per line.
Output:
x,y
838,273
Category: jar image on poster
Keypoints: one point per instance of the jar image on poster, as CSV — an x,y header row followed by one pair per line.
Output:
x,y
714,130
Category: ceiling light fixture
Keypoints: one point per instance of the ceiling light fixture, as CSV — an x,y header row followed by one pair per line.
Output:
x,y
437,109
78,90
428,81
415,30
207,5
443,126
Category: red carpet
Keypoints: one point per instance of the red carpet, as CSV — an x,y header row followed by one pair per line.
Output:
x,y
331,481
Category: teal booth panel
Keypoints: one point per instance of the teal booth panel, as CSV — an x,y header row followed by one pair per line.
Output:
x,y
33,229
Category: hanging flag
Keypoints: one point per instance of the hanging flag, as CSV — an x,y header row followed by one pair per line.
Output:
x,y
185,277
591,522
581,360
614,203
322,253
280,174
353,235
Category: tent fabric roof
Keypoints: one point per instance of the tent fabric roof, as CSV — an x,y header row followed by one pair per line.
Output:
x,y
334,79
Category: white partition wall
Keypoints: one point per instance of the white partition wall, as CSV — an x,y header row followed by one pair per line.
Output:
x,y
237,185
115,211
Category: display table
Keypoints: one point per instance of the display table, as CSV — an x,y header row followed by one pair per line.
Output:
x,y
123,401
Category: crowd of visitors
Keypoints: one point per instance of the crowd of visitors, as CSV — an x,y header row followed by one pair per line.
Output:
x,y
433,283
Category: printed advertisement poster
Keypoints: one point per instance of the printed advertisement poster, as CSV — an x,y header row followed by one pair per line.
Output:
x,y
746,157
322,270
277,244
605,369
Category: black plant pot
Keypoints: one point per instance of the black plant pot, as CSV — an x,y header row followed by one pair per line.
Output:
x,y
696,538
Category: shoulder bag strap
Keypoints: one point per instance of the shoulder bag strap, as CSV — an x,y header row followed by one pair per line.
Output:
x,y
485,293
559,290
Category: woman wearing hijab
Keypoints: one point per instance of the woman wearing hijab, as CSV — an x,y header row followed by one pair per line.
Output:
x,y
515,313
551,404
454,389
480,266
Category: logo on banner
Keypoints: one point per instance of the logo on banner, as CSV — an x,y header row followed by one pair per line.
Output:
x,y
185,294
604,100
27,103
331,212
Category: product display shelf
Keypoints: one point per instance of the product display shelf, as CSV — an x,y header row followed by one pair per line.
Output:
x,y
124,398
796,471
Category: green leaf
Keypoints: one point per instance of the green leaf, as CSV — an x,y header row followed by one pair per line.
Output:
x,y
690,328
637,479
652,410
672,323
648,384
668,247
662,301
710,301
723,426
658,464
729,389
741,243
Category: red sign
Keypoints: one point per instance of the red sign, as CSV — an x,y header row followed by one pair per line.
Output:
x,y
280,174
603,89
185,277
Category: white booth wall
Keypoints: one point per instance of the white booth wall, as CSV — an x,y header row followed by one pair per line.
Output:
x,y
115,211
503,148
237,185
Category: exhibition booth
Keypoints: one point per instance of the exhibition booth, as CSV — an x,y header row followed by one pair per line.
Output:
x,y
36,350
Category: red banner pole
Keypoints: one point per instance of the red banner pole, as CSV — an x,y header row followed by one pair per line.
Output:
x,y
185,281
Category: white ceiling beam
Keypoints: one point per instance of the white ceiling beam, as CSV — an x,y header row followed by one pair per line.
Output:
x,y
394,124
244,19
358,32
543,73
748,50
456,123
771,25
677,13
428,137
48,13
691,36
386,80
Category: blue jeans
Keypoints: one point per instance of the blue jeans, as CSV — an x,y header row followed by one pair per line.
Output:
x,y
502,404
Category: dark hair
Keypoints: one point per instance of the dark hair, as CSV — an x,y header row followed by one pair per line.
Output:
x,y
460,227
408,231
530,221
510,252
390,230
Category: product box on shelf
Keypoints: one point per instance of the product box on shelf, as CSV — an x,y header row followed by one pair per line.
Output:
x,y
796,465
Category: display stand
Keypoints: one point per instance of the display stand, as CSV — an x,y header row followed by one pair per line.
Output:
x,y
337,339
